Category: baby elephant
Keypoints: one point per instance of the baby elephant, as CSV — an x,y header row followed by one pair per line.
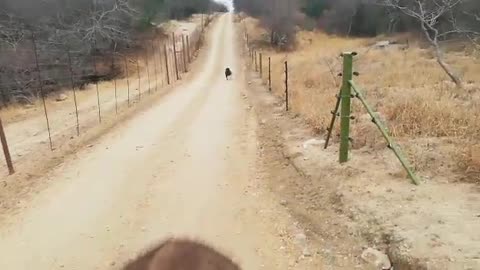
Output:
x,y
182,254
228,73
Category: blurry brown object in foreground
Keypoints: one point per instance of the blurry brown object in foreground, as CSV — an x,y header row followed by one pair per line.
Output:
x,y
182,254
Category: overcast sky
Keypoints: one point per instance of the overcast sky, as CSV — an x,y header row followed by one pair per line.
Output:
x,y
228,3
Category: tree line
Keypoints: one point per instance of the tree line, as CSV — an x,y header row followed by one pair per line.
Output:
x,y
361,17
436,20
49,28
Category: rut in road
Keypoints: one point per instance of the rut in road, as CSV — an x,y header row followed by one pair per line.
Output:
x,y
183,167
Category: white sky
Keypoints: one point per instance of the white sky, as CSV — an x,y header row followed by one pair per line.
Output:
x,y
228,3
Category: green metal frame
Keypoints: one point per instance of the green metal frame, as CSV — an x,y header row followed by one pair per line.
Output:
x,y
332,122
345,96
349,90
391,144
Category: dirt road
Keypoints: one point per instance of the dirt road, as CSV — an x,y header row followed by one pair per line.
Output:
x,y
187,166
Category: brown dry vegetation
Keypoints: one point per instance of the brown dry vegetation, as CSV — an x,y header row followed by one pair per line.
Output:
x,y
437,123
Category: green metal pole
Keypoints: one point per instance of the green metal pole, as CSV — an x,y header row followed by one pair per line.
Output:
x,y
334,117
345,106
383,129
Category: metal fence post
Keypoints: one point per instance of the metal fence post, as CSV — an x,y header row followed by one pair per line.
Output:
x,y
115,84
269,75
188,49
72,75
261,66
286,86
148,70
139,80
42,93
6,152
96,80
155,65
128,80
175,56
159,49
184,53
345,96
166,63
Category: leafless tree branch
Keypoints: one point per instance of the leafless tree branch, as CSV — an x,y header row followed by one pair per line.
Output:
x,y
430,13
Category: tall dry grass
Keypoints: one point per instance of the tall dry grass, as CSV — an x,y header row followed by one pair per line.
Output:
x,y
405,85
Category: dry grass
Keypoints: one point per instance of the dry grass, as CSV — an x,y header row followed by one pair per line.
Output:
x,y
405,85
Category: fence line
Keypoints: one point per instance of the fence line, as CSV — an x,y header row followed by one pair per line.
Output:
x,y
62,74
42,93
343,104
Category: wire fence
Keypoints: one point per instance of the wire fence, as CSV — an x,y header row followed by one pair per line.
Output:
x,y
344,99
70,88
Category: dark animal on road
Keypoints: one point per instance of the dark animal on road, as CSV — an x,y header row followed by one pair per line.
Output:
x,y
182,254
228,73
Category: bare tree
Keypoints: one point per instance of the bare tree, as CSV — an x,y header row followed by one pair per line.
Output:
x,y
11,30
106,22
438,21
